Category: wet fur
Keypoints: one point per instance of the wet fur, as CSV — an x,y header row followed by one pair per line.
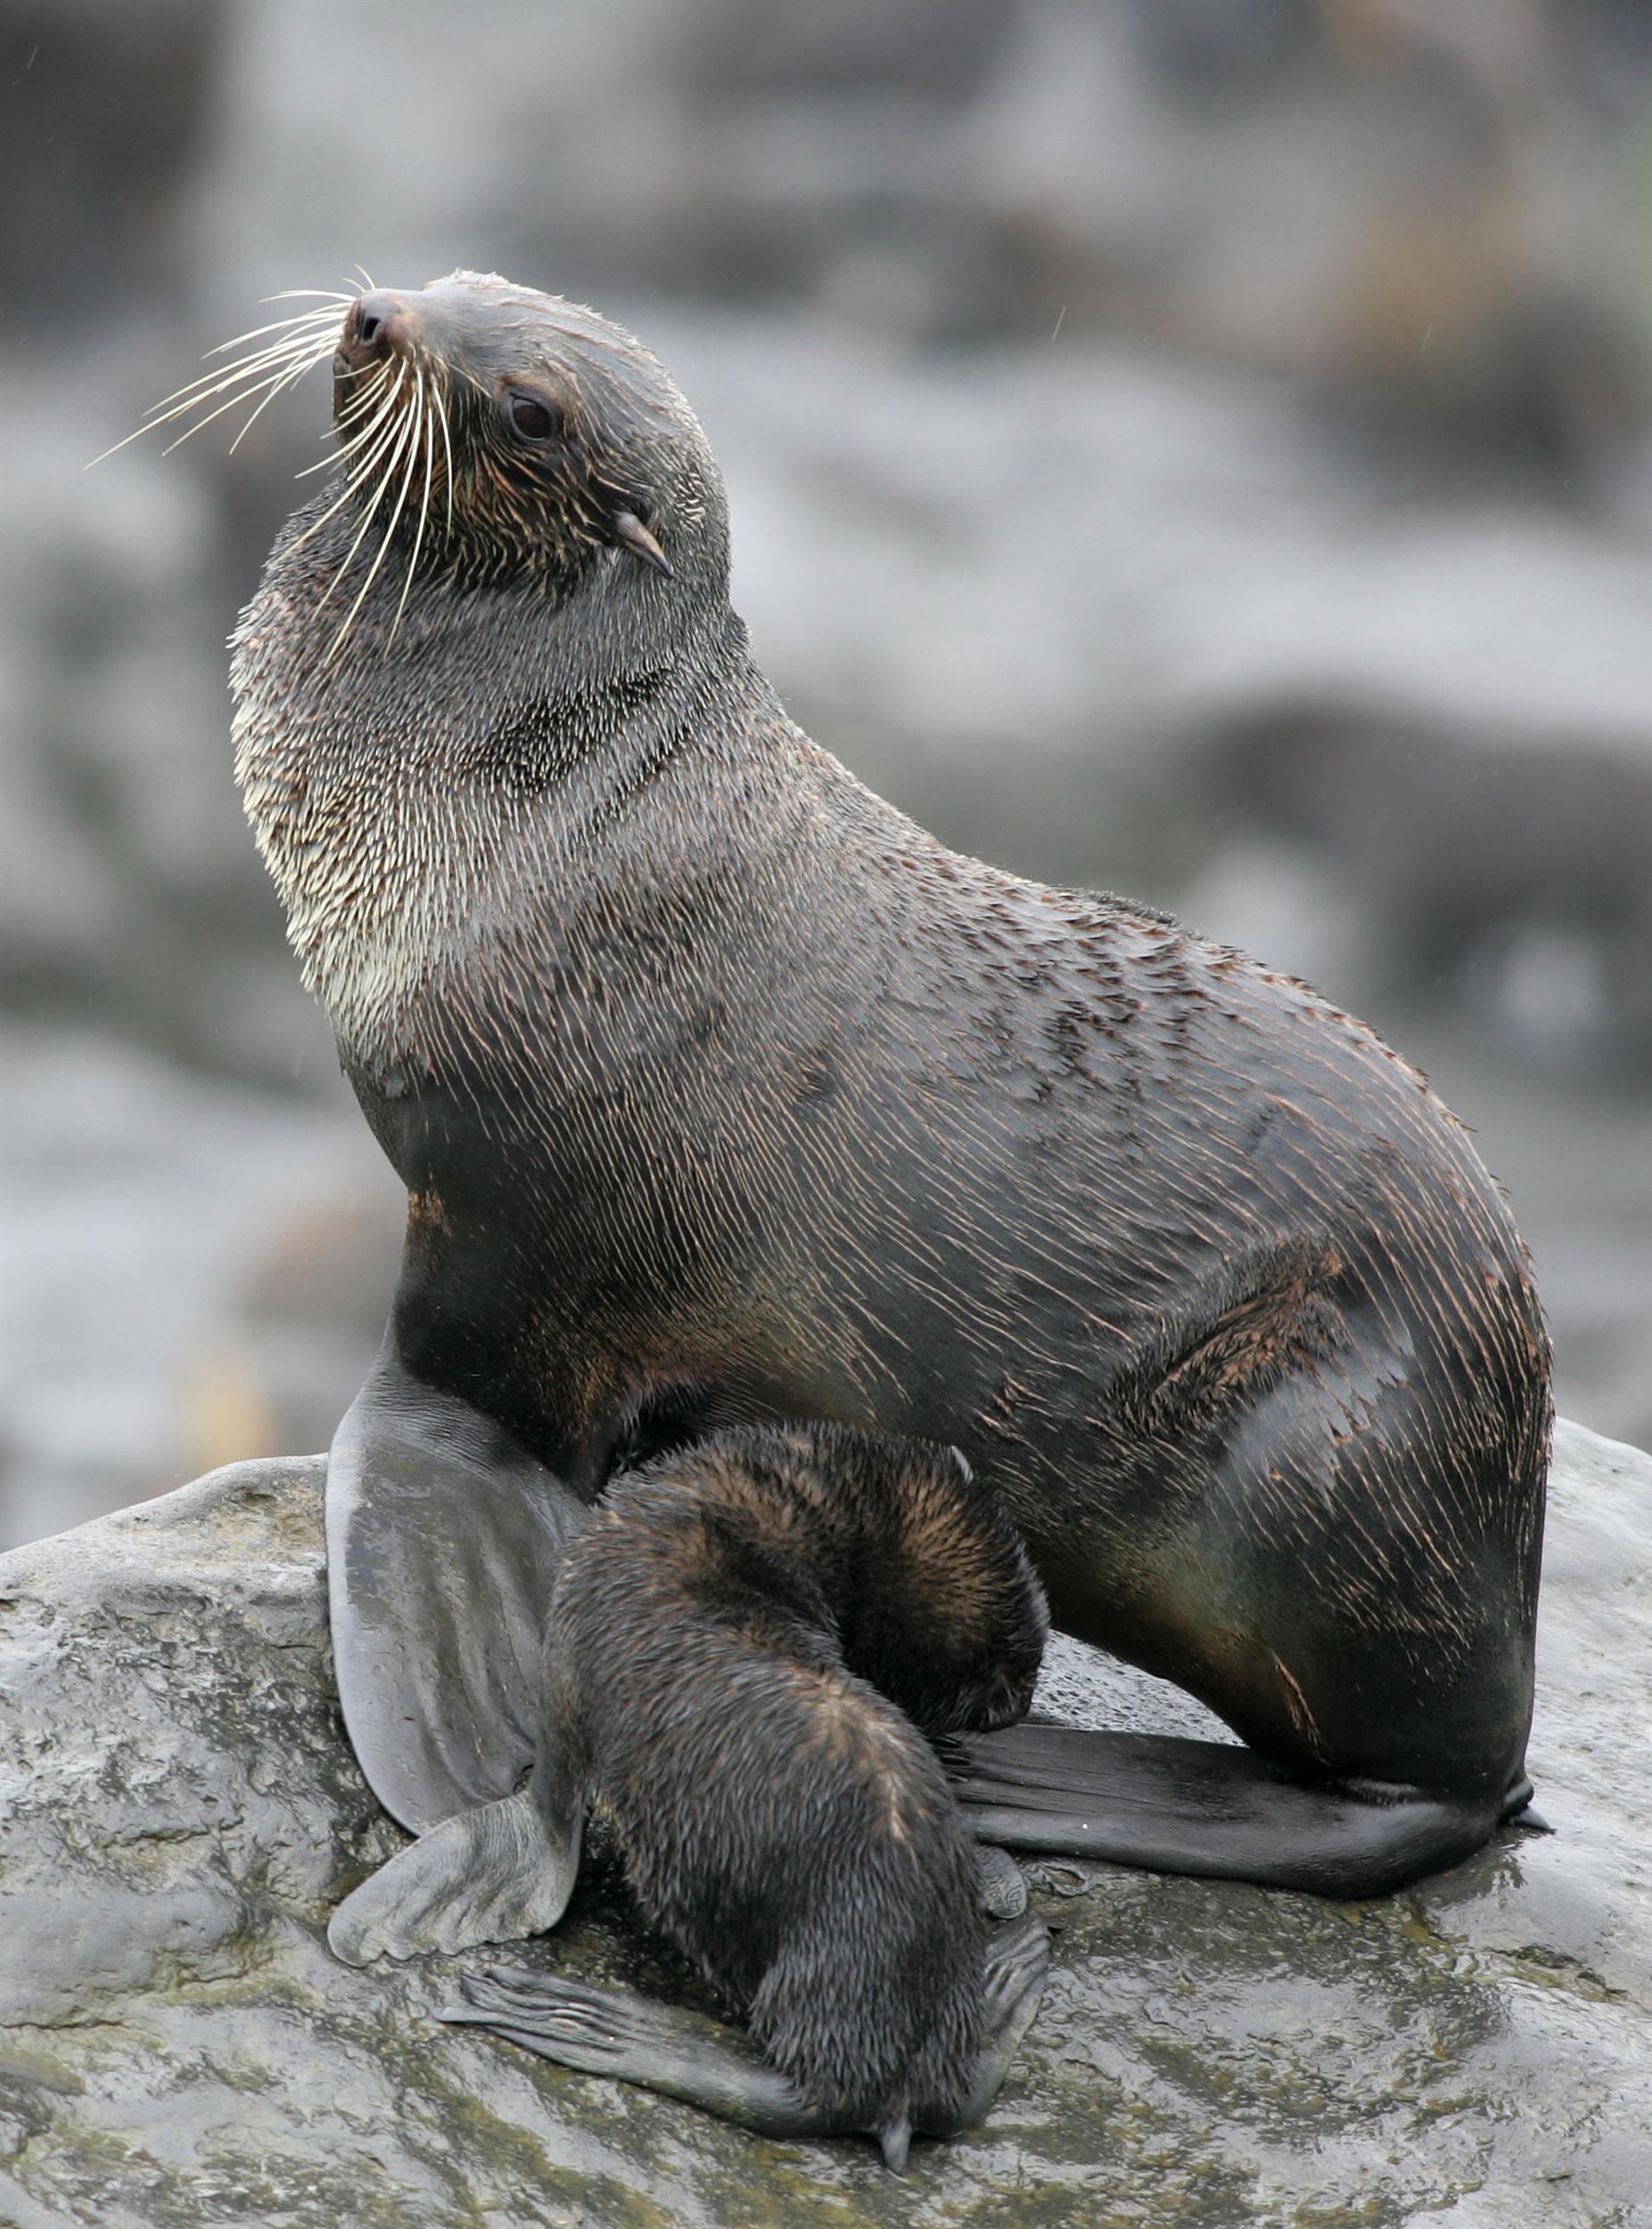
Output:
x,y
718,1638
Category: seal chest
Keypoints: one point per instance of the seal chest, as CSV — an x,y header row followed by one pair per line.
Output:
x,y
392,866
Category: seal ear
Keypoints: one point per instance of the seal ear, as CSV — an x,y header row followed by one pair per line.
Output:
x,y
630,529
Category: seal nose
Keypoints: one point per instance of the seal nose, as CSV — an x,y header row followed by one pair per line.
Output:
x,y
375,326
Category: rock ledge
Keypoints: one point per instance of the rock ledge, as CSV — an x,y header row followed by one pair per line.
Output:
x,y
177,2049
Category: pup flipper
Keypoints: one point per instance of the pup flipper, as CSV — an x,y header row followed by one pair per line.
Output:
x,y
684,2055
1017,1966
629,2038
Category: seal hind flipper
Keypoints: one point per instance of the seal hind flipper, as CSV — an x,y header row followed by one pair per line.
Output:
x,y
1017,1966
443,1538
684,2055
1001,1885
1179,1806
624,2037
492,1875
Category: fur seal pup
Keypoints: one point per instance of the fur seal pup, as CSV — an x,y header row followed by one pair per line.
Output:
x,y
745,1649
723,1093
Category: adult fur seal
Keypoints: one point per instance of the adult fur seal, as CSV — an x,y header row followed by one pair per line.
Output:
x,y
723,1093
743,1649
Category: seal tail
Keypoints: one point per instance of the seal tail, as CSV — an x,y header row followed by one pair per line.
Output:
x,y
1179,1806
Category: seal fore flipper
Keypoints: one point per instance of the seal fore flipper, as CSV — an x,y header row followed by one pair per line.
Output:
x,y
492,1875
684,2055
1172,1805
444,1535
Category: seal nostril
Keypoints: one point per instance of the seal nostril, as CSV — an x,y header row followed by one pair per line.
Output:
x,y
372,322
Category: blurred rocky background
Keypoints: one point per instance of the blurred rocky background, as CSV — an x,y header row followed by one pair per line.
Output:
x,y
1193,447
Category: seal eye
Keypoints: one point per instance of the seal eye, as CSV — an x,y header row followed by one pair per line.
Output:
x,y
534,420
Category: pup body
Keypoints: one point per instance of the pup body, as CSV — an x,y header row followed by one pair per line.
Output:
x,y
713,1640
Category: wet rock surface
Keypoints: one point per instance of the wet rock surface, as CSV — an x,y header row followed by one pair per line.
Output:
x,y
177,2047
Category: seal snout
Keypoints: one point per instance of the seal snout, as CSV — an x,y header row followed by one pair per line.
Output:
x,y
376,327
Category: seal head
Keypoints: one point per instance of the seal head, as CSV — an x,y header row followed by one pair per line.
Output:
x,y
546,437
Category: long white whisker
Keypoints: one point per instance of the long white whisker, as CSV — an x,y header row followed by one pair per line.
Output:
x,y
313,345
300,340
360,473
245,378
357,453
310,345
391,465
363,424
428,443
323,464
382,551
280,377
351,487
384,461
375,406
441,412
309,336
364,396
361,405
281,325
373,569
289,378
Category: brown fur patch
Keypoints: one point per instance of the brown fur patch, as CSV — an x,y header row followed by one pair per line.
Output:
x,y
1287,1318
1296,1703
854,1728
428,1211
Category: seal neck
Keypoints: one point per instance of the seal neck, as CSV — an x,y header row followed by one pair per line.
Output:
x,y
421,813
357,631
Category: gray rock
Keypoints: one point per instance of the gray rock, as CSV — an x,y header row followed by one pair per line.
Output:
x,y
179,2051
